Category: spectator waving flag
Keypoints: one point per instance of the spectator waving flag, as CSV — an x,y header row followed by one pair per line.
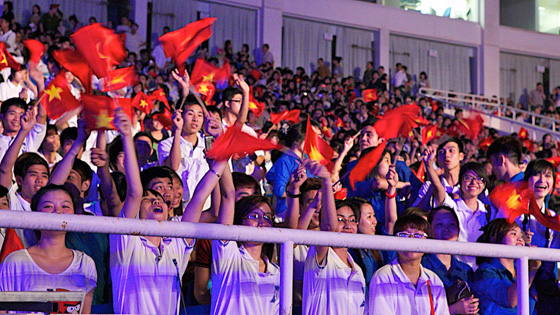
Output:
x,y
429,133
523,133
365,164
12,243
204,71
399,121
6,59
165,117
74,62
207,90
180,44
316,148
369,95
99,111
255,106
236,142
120,78
102,48
143,102
159,95
57,98
36,50
289,115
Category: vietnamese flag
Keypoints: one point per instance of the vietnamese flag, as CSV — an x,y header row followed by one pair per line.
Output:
x,y
255,106
12,243
316,148
546,219
523,133
420,172
369,95
207,90
485,144
236,142
72,61
339,123
159,95
289,115
365,164
429,133
180,44
6,59
99,111
470,127
57,98
102,48
120,78
165,118
398,122
142,102
36,50
555,160
204,71
511,200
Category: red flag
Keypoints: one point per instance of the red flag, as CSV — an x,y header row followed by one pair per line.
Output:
x,y
341,194
485,144
236,142
546,219
12,243
289,115
398,121
469,127
119,78
58,99
317,148
6,59
102,48
165,118
204,71
523,133
369,95
72,61
429,133
159,95
555,160
365,164
339,123
142,102
511,200
36,50
207,90
420,172
180,44
99,111
255,106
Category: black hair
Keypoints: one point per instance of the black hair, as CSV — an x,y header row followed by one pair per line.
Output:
x,y
115,148
120,184
539,166
52,187
230,92
443,208
493,233
509,146
477,168
352,205
454,140
411,221
149,174
70,133
296,134
246,204
242,180
26,160
14,101
214,110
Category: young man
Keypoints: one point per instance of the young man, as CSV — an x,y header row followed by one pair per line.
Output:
x,y
11,112
505,156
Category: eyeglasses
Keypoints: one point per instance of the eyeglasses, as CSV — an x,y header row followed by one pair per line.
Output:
x,y
470,178
268,218
353,221
412,235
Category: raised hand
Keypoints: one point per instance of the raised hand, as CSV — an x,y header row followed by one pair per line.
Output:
x,y
99,157
122,123
392,176
185,81
177,119
83,131
429,156
240,81
212,126
316,169
28,119
298,176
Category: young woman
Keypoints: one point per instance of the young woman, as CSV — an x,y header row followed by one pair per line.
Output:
x,y
495,281
444,225
404,286
333,283
50,265
472,213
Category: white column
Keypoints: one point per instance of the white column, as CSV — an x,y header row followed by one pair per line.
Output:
x,y
270,16
490,49
382,47
140,15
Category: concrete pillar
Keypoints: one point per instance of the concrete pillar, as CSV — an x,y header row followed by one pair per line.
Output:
x,y
140,15
490,49
270,20
382,46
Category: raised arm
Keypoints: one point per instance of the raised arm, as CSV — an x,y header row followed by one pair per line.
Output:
x,y
131,205
439,190
227,205
61,172
244,110
299,175
100,159
391,215
27,121
308,213
348,144
173,160
329,219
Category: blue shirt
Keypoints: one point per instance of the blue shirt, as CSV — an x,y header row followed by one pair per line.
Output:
x,y
517,177
369,265
491,282
279,175
458,270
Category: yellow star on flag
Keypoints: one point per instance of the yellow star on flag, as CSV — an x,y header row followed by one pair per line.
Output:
x,y
315,155
513,200
143,103
203,89
4,61
118,79
103,120
54,92
208,78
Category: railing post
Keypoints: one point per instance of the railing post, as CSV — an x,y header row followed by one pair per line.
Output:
x,y
286,277
523,286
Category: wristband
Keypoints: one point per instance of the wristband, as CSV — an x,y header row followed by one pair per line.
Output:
x,y
215,173
390,196
289,194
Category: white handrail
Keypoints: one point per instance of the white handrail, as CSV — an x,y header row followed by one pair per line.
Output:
x,y
287,237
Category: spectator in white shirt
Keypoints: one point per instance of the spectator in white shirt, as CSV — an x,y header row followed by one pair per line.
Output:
x,y
134,40
18,85
404,286
8,36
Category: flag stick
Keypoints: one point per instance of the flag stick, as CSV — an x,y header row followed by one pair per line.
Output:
x,y
198,99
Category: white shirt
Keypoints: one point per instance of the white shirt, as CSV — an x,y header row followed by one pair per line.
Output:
x,y
133,42
428,185
400,78
145,278
10,39
31,143
470,223
57,159
18,272
17,203
237,285
393,293
193,163
332,287
10,90
300,256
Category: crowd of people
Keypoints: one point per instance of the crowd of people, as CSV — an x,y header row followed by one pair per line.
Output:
x,y
155,168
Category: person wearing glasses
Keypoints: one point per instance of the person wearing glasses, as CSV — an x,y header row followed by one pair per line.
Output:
x,y
333,283
404,286
472,212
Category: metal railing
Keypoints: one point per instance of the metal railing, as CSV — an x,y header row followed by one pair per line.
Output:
x,y
287,238
490,107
